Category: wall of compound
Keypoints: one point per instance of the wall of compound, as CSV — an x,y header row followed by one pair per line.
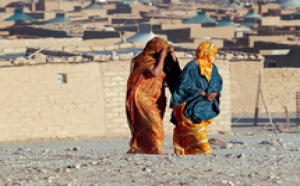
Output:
x,y
34,104
89,102
243,86
279,87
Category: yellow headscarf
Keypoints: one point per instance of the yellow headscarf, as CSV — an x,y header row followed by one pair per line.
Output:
x,y
205,55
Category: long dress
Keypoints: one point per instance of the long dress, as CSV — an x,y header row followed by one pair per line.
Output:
x,y
145,106
193,112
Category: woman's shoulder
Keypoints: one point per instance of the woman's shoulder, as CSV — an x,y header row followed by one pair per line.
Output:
x,y
215,68
190,65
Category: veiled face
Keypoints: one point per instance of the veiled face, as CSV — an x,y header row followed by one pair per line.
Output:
x,y
155,45
207,51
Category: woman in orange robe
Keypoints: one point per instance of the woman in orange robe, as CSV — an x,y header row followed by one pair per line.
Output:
x,y
146,101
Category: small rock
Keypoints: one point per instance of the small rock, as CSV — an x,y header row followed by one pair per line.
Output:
x,y
9,180
95,163
249,134
76,148
266,142
237,145
169,158
168,174
251,175
105,160
78,165
46,150
278,182
241,156
146,169
230,183
17,183
44,171
127,159
284,145
67,170
84,165
279,140
229,146
208,170
224,182
229,155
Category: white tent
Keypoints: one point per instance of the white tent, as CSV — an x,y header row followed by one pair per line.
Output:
x,y
143,35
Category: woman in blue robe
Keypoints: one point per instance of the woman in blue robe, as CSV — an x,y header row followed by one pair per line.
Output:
x,y
195,102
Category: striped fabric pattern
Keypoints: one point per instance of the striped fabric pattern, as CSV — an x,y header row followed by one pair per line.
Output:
x,y
189,137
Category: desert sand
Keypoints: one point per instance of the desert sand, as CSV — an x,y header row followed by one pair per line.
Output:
x,y
251,156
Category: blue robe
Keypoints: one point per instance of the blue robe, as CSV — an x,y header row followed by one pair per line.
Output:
x,y
190,84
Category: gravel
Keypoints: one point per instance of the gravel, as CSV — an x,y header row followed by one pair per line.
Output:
x,y
252,156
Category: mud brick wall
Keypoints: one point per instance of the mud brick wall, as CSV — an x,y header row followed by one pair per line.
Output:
x,y
34,104
222,123
279,87
243,86
89,103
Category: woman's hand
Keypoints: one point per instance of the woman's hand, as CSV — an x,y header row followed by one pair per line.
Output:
x,y
171,48
203,94
211,96
171,52
163,54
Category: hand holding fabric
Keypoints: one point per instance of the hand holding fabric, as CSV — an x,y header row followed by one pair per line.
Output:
x,y
203,94
171,52
163,54
211,96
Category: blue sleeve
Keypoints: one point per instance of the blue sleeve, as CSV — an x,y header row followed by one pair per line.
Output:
x,y
215,84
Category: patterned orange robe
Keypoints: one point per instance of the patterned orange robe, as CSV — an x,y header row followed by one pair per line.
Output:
x,y
146,102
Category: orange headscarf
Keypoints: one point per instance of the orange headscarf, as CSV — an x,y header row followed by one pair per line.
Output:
x,y
147,59
205,55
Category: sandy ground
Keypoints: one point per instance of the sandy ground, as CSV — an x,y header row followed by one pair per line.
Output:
x,y
252,156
